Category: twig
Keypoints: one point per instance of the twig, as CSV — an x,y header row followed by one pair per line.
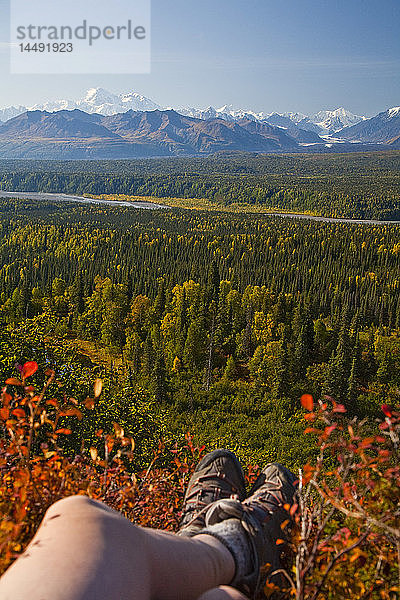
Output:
x,y
334,561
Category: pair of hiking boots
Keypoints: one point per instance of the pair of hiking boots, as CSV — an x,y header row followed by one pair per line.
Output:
x,y
216,504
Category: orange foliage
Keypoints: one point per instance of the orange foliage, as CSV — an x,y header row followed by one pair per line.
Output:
x,y
34,472
346,539
347,535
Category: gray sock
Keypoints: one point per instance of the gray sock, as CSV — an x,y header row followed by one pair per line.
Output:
x,y
233,536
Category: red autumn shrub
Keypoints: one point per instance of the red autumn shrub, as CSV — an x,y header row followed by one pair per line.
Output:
x,y
346,538
35,473
347,535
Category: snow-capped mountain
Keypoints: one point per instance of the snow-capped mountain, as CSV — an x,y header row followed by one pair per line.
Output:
x,y
96,100
101,101
393,112
290,120
333,120
383,128
206,114
10,112
227,113
325,122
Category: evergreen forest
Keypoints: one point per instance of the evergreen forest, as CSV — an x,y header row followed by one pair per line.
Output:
x,y
359,185
212,323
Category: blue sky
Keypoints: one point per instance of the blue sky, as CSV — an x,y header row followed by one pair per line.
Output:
x,y
303,55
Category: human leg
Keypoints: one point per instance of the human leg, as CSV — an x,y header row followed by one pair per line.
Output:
x,y
223,592
86,551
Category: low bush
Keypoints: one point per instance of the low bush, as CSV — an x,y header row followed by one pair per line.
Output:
x,y
346,535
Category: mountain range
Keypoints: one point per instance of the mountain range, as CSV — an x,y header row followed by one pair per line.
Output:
x,y
383,128
96,100
101,101
106,126
77,134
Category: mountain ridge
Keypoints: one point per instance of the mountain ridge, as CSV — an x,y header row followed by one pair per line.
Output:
x,y
134,133
383,128
102,133
99,100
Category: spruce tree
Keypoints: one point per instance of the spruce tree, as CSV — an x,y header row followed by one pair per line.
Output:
x,y
230,372
160,299
77,297
181,326
213,282
148,360
194,353
353,383
159,380
282,373
304,348
339,368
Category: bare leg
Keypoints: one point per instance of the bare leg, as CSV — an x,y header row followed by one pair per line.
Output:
x,y
84,550
223,593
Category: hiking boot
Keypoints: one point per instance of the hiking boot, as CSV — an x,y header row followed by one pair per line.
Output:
x,y
274,487
251,529
218,475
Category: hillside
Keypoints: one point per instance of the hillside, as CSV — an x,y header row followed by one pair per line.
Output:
x,y
215,324
384,128
76,134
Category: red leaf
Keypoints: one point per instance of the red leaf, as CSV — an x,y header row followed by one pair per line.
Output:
x,y
71,412
384,453
387,410
64,431
307,401
4,413
379,439
13,381
308,472
366,442
6,399
328,430
310,416
29,369
52,402
89,403
18,412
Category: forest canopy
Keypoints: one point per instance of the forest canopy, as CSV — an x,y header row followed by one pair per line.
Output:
x,y
363,185
221,321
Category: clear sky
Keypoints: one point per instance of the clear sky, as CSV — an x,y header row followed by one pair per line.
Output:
x,y
268,55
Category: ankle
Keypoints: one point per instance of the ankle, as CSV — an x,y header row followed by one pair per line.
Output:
x,y
224,561
231,534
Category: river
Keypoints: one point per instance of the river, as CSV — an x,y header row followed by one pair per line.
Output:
x,y
66,198
151,206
